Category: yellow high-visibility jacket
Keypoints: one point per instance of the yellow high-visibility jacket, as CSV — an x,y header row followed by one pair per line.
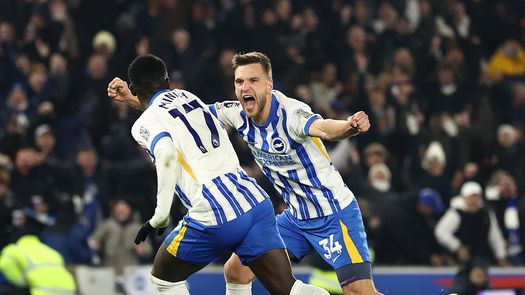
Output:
x,y
30,263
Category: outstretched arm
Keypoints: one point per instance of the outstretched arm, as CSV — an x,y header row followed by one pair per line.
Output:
x,y
118,90
329,129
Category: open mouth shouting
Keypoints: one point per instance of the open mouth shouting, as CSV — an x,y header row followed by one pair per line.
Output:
x,y
249,103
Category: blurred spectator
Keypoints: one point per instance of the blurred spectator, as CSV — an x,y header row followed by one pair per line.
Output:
x,y
112,236
502,196
506,153
104,43
89,188
219,78
455,23
472,278
429,208
94,97
470,230
446,96
38,90
355,53
383,115
379,178
434,176
45,140
28,179
507,61
376,153
59,83
387,18
69,235
18,109
384,207
326,89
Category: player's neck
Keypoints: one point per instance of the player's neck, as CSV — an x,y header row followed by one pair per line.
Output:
x,y
144,103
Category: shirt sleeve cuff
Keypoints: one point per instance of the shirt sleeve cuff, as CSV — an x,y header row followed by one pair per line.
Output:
x,y
309,122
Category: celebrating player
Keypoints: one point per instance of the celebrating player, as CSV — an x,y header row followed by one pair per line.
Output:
x,y
193,157
283,135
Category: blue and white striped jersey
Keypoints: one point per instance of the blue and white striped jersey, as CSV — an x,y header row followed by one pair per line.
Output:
x,y
209,180
297,164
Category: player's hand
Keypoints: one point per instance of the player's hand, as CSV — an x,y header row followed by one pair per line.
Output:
x,y
359,121
145,230
118,90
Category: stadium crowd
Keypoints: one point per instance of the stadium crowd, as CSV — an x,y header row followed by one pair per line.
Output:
x,y
440,178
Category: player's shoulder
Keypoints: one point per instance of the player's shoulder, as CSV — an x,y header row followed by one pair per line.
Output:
x,y
288,103
230,110
188,96
231,105
144,123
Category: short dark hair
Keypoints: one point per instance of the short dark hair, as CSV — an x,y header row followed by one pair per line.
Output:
x,y
254,57
147,74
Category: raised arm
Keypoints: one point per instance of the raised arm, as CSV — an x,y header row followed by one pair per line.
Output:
x,y
329,129
118,90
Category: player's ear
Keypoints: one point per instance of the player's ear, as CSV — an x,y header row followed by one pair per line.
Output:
x,y
269,86
132,90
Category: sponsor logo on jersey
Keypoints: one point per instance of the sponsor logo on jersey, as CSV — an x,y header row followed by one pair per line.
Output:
x,y
278,145
269,159
303,113
231,104
144,133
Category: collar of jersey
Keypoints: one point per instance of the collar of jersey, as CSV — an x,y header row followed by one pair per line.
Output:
x,y
273,113
157,94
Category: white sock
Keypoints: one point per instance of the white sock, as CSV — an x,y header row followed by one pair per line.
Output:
x,y
300,288
238,289
169,288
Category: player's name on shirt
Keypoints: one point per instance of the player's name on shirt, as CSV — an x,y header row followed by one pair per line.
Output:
x,y
169,97
266,159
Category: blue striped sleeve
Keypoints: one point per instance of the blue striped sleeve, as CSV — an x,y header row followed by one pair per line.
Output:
x,y
155,140
213,110
309,123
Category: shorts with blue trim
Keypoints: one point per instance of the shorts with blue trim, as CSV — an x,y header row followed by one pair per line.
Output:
x,y
249,236
339,238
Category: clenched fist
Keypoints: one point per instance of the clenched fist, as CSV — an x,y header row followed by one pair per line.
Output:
x,y
119,91
359,121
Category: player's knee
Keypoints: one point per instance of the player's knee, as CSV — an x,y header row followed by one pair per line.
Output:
x,y
300,288
169,288
235,272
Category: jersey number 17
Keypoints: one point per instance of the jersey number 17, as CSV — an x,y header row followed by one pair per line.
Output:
x,y
189,107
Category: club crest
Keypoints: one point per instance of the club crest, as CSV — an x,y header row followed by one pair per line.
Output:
x,y
278,145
